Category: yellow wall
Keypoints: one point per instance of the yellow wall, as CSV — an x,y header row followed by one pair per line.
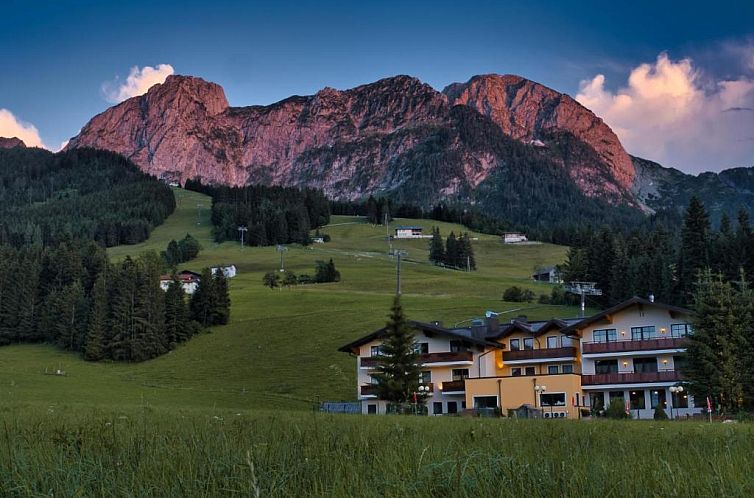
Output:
x,y
516,391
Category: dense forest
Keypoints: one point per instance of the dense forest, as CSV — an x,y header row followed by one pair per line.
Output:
x,y
271,215
666,263
82,194
59,211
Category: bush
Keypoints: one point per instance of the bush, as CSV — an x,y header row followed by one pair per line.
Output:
x,y
305,279
617,409
326,272
660,413
516,294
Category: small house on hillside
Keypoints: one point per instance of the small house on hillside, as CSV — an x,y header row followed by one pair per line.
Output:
x,y
229,271
514,237
408,233
548,274
188,279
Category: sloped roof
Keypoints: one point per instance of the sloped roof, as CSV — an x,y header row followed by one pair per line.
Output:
x,y
424,327
636,300
535,328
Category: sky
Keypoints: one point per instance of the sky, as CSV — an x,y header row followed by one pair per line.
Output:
x,y
675,80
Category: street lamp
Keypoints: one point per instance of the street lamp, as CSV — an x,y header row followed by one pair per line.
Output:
x,y
282,249
422,391
539,390
675,390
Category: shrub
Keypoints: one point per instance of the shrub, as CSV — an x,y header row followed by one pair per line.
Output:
x,y
516,294
660,413
616,409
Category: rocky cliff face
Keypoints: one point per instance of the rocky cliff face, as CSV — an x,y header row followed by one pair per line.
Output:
x,y
9,143
396,134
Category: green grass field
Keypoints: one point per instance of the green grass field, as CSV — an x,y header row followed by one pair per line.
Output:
x,y
280,349
230,412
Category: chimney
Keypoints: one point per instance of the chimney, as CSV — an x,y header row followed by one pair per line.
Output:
x,y
651,297
493,325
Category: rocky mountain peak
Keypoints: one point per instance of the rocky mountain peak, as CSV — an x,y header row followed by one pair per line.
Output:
x,y
10,142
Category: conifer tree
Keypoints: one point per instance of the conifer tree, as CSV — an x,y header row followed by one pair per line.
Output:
x,y
467,251
399,369
203,300
452,251
177,326
436,247
271,280
694,250
220,313
94,348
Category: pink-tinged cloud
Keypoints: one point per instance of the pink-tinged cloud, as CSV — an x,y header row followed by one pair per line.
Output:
x,y
11,126
139,80
670,113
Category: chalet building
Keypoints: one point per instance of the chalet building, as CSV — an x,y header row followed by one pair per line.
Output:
x,y
188,279
229,271
513,237
548,274
449,357
561,368
409,233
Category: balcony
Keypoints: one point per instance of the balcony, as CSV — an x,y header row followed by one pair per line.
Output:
x,y
371,389
631,377
626,346
454,386
429,358
539,354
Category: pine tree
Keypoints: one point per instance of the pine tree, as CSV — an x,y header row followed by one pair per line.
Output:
x,y
220,313
436,247
271,280
467,250
452,251
177,326
373,213
399,369
202,301
695,242
94,347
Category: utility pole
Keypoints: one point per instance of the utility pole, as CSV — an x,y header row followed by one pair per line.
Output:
x,y
398,253
242,231
468,263
281,249
387,235
583,289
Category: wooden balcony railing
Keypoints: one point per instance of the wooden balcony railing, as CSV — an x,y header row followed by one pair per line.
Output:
x,y
446,357
631,377
643,345
371,389
454,386
536,354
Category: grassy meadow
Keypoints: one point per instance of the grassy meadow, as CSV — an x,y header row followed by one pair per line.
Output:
x,y
230,412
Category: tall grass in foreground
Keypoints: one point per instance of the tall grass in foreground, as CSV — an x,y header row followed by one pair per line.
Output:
x,y
144,452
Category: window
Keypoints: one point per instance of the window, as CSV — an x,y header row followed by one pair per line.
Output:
x,y
679,363
452,407
528,343
680,330
457,346
376,351
597,401
372,409
437,408
552,369
566,342
530,371
421,347
426,377
460,373
552,399
658,398
485,402
606,366
552,342
637,399
605,335
515,344
645,365
616,395
516,371
567,369
373,380
680,400
643,333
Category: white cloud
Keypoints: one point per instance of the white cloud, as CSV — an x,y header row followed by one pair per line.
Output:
x,y
10,126
669,112
139,80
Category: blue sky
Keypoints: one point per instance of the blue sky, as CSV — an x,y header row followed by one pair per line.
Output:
x,y
56,55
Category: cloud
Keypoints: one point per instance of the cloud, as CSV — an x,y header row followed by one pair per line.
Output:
x,y
10,126
671,112
139,80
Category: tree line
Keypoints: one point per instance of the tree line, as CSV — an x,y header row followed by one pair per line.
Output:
x,y
182,251
271,215
73,297
662,262
455,252
46,198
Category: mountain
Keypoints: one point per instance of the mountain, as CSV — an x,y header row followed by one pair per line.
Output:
x,y
367,140
9,143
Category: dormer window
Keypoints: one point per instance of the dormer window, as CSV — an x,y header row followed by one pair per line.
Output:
x,y
552,342
515,344
528,343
